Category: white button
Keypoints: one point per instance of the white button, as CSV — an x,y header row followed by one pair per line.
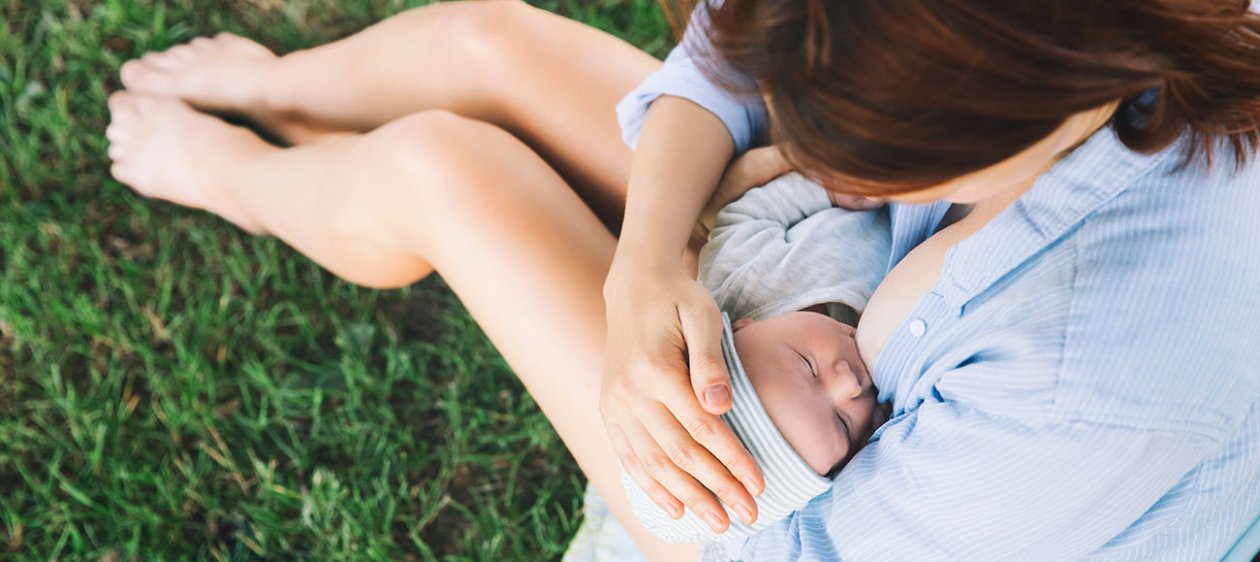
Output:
x,y
918,327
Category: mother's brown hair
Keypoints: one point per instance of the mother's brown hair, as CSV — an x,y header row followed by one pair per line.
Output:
x,y
898,95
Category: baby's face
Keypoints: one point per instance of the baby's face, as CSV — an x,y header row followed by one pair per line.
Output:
x,y
806,371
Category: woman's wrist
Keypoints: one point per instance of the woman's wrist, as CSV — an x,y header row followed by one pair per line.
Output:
x,y
633,266
683,150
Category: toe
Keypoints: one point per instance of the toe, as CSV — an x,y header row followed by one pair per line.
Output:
x,y
116,133
240,43
168,59
156,59
120,103
131,74
116,153
172,58
146,105
230,37
145,75
183,54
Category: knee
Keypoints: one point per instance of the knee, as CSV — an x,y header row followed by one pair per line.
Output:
x,y
430,141
423,127
490,31
434,163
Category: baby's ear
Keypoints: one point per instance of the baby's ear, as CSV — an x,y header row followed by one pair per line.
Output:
x,y
739,324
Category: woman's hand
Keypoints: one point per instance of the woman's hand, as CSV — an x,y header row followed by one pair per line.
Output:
x,y
663,358
663,421
853,202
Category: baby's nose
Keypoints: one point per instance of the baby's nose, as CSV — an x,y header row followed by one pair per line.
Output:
x,y
845,381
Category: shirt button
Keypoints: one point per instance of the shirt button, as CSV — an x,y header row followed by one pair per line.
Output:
x,y
918,327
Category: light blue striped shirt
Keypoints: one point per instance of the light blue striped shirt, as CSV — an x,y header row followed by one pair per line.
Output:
x,y
1082,382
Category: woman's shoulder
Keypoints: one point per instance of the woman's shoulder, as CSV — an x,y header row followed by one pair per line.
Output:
x,y
1164,289
1187,220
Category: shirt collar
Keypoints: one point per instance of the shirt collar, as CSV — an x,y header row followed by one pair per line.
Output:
x,y
912,224
1094,173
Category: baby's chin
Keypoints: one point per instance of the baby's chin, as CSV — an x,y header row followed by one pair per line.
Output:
x,y
826,464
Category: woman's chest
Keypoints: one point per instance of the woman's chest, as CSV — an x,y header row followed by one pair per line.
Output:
x,y
1001,347
903,288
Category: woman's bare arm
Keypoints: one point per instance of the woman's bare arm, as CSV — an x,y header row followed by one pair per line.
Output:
x,y
665,382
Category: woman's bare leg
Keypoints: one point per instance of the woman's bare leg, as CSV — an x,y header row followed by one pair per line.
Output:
x,y
432,191
548,80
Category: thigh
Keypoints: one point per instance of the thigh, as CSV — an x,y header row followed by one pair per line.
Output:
x,y
528,258
555,84
562,93
551,81
437,191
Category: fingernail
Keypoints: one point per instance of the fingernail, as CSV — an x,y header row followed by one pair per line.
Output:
x,y
717,395
750,486
671,509
745,514
714,521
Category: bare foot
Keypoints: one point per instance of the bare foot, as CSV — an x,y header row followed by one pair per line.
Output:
x,y
225,74
163,148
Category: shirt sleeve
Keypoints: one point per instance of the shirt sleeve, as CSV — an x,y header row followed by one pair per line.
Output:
x,y
946,481
681,76
783,247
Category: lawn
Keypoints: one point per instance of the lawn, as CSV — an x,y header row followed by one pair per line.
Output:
x,y
173,389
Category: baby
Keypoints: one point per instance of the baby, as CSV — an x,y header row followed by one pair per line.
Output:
x,y
796,272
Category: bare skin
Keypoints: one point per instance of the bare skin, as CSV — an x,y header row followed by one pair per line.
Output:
x,y
220,74
157,132
503,63
812,382
479,174
988,192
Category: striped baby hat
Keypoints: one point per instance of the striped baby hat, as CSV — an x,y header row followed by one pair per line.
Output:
x,y
790,482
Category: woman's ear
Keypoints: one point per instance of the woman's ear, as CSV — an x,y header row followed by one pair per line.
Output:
x,y
739,324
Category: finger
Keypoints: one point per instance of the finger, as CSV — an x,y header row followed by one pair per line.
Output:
x,y
853,202
702,332
634,467
718,440
767,163
698,462
679,484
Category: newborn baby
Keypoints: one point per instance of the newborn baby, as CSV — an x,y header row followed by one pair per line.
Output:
x,y
805,369
795,272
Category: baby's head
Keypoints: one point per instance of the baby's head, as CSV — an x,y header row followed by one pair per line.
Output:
x,y
802,404
813,384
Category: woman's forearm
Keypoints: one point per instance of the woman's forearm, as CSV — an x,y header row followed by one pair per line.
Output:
x,y
682,153
664,328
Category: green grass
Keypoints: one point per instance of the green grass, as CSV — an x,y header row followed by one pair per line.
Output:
x,y
172,389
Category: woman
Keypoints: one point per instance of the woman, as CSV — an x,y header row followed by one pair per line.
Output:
x,y
486,149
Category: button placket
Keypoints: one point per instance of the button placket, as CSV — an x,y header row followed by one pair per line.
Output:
x,y
901,363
